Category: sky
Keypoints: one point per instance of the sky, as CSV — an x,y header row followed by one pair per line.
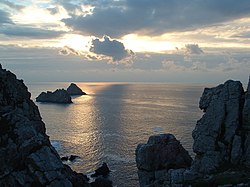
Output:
x,y
177,41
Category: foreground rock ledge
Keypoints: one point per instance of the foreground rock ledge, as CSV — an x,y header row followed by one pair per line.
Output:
x,y
221,143
27,157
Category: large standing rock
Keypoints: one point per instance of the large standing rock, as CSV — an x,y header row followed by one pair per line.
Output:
x,y
27,157
172,154
161,153
58,96
246,109
216,135
73,89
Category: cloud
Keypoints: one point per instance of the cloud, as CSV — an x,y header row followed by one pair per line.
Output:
x,y
244,35
118,18
4,18
171,65
68,50
10,5
193,49
111,48
29,32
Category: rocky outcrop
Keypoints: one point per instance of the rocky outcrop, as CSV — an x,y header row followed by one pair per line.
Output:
x,y
246,109
73,89
161,153
101,171
221,142
58,96
173,155
27,157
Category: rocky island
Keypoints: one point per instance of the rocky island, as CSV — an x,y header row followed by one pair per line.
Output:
x,y
58,96
221,143
73,89
27,157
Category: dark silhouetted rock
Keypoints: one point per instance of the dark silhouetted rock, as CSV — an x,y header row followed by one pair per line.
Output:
x,y
64,158
101,182
246,109
73,89
103,171
58,96
73,157
69,158
27,157
162,152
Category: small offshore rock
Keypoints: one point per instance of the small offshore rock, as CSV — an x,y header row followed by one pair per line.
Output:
x,y
69,158
103,171
73,157
64,158
101,182
58,96
73,89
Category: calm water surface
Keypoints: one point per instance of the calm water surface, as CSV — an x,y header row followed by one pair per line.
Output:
x,y
107,124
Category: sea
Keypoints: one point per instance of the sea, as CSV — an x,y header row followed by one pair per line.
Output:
x,y
108,123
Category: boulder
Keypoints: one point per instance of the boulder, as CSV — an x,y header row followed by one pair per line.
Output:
x,y
69,158
162,152
58,96
101,182
73,89
103,171
27,156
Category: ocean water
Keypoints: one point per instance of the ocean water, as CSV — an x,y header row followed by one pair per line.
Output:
x,y
107,124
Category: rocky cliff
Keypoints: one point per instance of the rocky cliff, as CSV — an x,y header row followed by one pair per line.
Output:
x,y
26,155
221,142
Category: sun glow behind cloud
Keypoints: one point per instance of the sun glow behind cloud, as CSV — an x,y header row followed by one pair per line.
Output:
x,y
147,44
75,41
38,16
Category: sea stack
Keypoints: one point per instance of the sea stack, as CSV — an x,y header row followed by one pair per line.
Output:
x,y
27,157
221,143
73,89
58,96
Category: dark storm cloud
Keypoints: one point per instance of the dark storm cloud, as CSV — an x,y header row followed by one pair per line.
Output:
x,y
4,18
29,32
110,48
154,17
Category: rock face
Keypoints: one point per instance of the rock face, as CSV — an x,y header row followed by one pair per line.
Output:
x,y
246,109
103,171
172,154
26,156
218,134
221,143
161,153
73,89
58,96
